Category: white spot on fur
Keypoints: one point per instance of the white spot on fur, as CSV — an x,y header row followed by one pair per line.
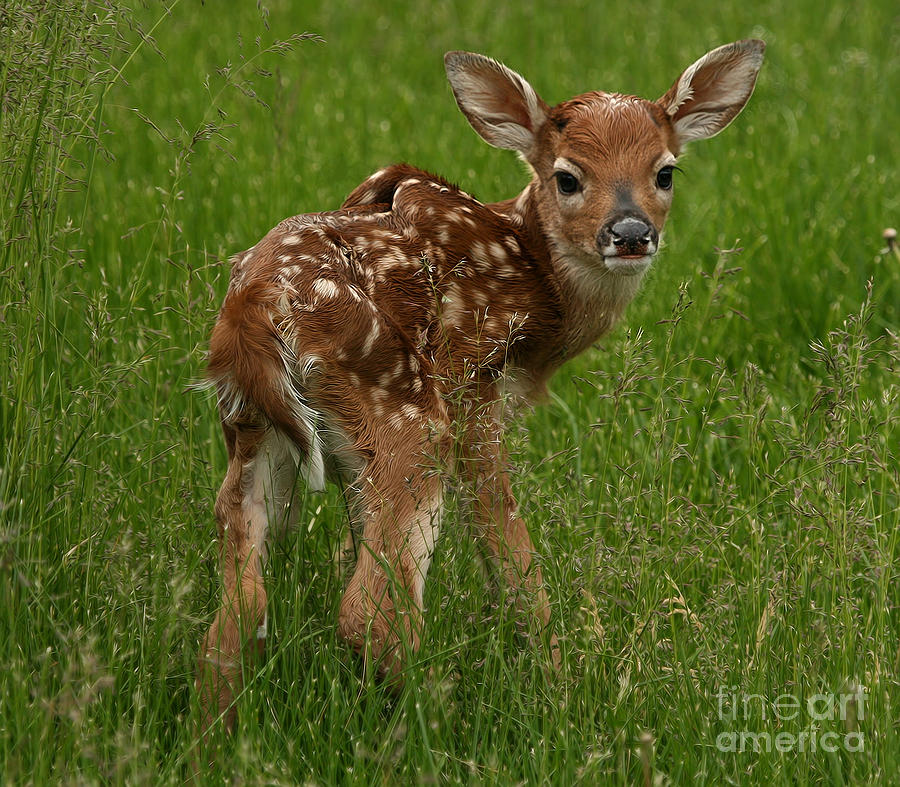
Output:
x,y
373,335
493,324
482,258
512,244
394,259
411,411
497,251
378,395
453,306
325,287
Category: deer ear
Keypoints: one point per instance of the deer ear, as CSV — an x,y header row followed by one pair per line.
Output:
x,y
711,92
501,106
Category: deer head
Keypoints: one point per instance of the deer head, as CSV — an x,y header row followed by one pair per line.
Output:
x,y
603,162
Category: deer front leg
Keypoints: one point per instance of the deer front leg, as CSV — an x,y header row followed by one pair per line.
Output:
x,y
503,536
237,635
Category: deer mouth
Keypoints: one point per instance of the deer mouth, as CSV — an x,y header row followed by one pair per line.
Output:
x,y
627,264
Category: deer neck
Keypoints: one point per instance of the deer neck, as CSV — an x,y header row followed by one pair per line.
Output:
x,y
592,299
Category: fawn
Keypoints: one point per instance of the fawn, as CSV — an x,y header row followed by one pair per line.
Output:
x,y
350,342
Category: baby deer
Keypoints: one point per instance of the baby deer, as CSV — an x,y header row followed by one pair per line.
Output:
x,y
351,341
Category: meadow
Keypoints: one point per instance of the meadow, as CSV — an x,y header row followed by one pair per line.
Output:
x,y
713,490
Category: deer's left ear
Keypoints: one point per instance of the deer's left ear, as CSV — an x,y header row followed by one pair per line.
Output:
x,y
501,106
711,92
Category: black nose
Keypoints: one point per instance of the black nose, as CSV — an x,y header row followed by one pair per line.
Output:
x,y
629,236
630,231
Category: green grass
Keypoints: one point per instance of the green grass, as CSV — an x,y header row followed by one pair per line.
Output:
x,y
713,492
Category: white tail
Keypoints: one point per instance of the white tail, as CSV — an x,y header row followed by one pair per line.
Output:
x,y
350,341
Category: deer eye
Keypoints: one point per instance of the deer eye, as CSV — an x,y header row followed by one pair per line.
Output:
x,y
664,178
566,182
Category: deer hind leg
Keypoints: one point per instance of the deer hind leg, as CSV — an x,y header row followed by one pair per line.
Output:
x,y
257,485
381,611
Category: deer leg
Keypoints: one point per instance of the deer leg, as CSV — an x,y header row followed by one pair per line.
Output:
x,y
256,486
503,536
381,611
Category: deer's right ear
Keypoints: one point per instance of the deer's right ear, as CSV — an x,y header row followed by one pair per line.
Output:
x,y
501,106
